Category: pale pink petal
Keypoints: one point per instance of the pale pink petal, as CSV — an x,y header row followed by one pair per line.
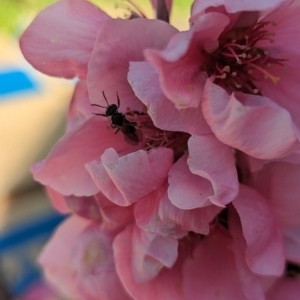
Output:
x,y
150,253
156,213
250,123
166,285
285,45
187,190
64,170
125,41
279,183
161,110
57,200
126,179
60,40
285,289
233,6
264,254
86,207
80,108
250,281
179,65
56,256
291,237
92,258
214,161
210,272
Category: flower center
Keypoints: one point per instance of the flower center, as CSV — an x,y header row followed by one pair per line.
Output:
x,y
155,137
239,62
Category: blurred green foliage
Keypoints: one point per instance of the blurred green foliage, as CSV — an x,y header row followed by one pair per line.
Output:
x,y
15,15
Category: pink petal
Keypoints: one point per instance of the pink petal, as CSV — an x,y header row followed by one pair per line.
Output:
x,y
92,258
166,285
125,41
291,238
126,179
80,107
250,281
179,65
64,170
57,200
233,6
187,190
161,110
86,207
57,268
279,183
150,253
210,274
214,161
157,214
60,40
285,289
250,123
264,254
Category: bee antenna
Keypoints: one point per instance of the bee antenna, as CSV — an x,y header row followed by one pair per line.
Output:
x,y
105,98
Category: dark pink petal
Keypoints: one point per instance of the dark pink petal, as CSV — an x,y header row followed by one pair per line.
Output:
x,y
56,256
210,272
279,183
166,285
162,111
119,42
86,207
156,213
214,161
92,259
291,237
250,281
285,45
57,200
187,190
179,65
233,6
150,253
285,289
64,170
250,123
80,108
126,179
264,254
60,40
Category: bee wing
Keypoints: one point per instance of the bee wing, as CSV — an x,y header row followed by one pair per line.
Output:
x,y
131,134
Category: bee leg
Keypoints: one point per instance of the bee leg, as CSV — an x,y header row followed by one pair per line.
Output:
x,y
100,115
118,100
118,129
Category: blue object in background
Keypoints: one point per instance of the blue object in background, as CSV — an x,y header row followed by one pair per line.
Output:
x,y
15,81
19,248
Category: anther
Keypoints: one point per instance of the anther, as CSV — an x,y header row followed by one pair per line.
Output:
x,y
255,91
233,74
227,69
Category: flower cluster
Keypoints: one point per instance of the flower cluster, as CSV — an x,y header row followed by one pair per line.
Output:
x,y
181,158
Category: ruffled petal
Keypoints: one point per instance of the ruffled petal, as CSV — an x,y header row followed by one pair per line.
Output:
x,y
285,289
162,111
179,65
60,40
150,253
291,238
187,190
125,41
264,254
250,123
126,179
214,161
211,271
166,285
64,170
233,6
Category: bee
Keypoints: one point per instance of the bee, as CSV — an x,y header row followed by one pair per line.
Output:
x,y
118,120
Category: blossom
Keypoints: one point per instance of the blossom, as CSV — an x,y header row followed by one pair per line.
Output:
x,y
194,205
234,67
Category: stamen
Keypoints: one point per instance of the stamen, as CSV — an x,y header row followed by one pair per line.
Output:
x,y
270,76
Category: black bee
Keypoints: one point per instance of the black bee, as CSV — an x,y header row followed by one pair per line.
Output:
x,y
118,120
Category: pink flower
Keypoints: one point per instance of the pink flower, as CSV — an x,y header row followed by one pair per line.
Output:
x,y
235,70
